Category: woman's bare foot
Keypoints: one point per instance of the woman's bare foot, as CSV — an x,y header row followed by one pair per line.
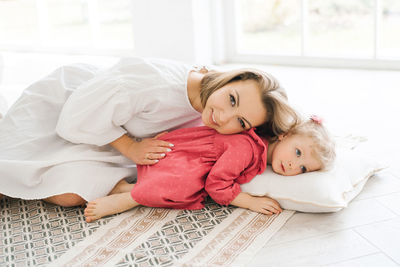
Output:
x,y
121,187
109,205
66,200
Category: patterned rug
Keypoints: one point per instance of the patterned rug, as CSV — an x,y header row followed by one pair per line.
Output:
x,y
34,233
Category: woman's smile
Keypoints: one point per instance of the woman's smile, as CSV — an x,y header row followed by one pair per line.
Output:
x,y
212,118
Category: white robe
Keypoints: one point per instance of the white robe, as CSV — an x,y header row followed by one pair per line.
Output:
x,y
55,138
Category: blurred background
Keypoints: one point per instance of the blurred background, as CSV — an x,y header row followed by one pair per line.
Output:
x,y
66,25
356,33
323,51
292,39
335,28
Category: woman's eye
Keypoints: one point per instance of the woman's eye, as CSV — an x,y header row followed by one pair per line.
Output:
x,y
303,169
242,124
233,100
298,152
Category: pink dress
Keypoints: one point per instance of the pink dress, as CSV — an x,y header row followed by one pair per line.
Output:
x,y
202,162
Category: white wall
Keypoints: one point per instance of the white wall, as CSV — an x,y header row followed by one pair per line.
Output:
x,y
175,29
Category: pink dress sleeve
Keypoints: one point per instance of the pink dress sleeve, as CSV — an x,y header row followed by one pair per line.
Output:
x,y
242,159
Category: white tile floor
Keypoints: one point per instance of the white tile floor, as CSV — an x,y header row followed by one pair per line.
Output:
x,y
358,102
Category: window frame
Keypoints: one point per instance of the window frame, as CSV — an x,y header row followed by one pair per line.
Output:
x,y
232,55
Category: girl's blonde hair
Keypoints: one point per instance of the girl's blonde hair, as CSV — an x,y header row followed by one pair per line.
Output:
x,y
324,145
280,115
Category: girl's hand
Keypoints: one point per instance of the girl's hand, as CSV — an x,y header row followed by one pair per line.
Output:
x,y
148,151
264,205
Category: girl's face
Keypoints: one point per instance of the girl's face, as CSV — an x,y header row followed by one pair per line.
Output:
x,y
234,108
293,154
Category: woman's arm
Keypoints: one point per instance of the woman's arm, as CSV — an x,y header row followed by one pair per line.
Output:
x,y
123,144
263,205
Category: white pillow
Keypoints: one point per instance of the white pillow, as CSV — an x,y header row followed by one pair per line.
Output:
x,y
321,191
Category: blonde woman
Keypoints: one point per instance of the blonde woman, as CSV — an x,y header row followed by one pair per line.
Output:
x,y
73,135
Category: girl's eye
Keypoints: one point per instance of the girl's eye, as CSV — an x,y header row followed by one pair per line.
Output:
x,y
242,124
303,169
233,100
298,152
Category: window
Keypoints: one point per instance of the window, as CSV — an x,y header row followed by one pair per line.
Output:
x,y
340,28
357,33
269,28
389,29
66,25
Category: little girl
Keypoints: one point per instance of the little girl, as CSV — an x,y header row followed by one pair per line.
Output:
x,y
204,162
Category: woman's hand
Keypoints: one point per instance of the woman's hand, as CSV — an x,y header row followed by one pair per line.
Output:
x,y
264,205
148,151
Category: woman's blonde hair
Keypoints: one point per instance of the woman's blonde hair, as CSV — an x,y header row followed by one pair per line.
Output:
x,y
324,145
280,115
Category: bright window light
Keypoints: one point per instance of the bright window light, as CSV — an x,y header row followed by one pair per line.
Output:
x,y
66,24
337,33
390,29
341,28
269,27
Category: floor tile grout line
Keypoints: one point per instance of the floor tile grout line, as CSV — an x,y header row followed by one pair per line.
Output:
x,y
355,258
375,197
309,237
332,232
383,205
396,175
396,216
372,244
389,208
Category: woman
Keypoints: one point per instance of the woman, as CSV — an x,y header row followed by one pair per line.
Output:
x,y
71,136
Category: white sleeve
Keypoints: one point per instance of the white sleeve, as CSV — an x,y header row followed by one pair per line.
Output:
x,y
94,113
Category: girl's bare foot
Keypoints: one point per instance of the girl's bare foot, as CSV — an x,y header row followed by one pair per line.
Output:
x,y
109,205
122,187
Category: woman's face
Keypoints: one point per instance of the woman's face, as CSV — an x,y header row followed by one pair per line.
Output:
x,y
234,107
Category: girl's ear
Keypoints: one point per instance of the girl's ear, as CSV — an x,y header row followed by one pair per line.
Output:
x,y
282,136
